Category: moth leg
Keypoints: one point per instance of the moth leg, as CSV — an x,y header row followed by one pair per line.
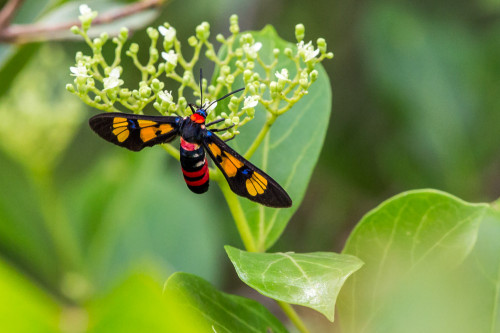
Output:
x,y
222,129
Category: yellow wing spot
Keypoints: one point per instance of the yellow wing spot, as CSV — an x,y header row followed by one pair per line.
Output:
x,y
146,123
119,122
121,134
214,149
230,164
148,133
165,128
256,184
261,179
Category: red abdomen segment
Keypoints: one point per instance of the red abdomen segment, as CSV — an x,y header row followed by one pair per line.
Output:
x,y
194,166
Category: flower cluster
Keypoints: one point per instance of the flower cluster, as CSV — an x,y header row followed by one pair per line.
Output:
x,y
238,64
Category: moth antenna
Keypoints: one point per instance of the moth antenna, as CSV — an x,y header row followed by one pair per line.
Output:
x,y
201,89
226,95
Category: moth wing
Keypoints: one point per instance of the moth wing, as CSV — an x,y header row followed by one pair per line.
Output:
x,y
244,178
135,132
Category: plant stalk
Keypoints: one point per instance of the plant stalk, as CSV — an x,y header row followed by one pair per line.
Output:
x,y
294,317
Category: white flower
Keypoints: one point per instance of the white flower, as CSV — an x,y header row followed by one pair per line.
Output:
x,y
307,50
168,33
166,96
170,57
85,10
251,50
86,14
250,102
210,107
283,75
113,80
79,71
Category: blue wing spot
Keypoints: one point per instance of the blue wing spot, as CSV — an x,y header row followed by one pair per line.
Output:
x,y
131,124
209,133
245,171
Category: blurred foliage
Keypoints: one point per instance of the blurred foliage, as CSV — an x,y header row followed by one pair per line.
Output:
x,y
415,104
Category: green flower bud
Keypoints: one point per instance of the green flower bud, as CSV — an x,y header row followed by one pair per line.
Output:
x,y
152,33
153,53
104,36
273,87
262,87
304,83
203,31
313,75
220,38
123,34
70,88
97,99
250,112
192,41
98,42
235,120
299,32
156,85
116,40
329,55
239,52
247,75
276,52
223,115
74,29
228,122
288,52
210,54
134,48
239,64
321,45
250,65
125,93
233,24
255,77
135,94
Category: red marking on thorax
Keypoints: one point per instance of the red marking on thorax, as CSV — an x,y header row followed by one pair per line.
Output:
x,y
188,146
197,118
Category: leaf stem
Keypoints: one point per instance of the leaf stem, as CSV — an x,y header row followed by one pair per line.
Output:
x,y
294,317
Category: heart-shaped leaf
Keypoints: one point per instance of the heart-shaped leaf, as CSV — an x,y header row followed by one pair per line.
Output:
x,y
407,243
215,311
309,279
290,151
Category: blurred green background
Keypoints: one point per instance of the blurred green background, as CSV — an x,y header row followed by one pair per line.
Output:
x,y
415,105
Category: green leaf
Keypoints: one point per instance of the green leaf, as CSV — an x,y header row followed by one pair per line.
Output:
x,y
291,149
215,311
410,245
24,306
309,279
135,212
136,305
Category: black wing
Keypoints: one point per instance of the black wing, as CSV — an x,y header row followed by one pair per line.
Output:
x,y
133,131
244,178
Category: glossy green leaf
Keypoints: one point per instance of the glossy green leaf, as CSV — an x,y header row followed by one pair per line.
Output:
x,y
136,305
215,311
309,279
410,245
291,149
136,211
24,306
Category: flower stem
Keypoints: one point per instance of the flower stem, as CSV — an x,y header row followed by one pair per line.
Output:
x,y
262,134
294,317
238,215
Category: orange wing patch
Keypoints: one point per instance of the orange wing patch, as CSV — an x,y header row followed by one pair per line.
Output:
x,y
146,123
230,164
256,184
120,128
149,131
214,149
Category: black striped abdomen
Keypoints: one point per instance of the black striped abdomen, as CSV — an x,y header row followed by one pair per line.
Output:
x,y
194,166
